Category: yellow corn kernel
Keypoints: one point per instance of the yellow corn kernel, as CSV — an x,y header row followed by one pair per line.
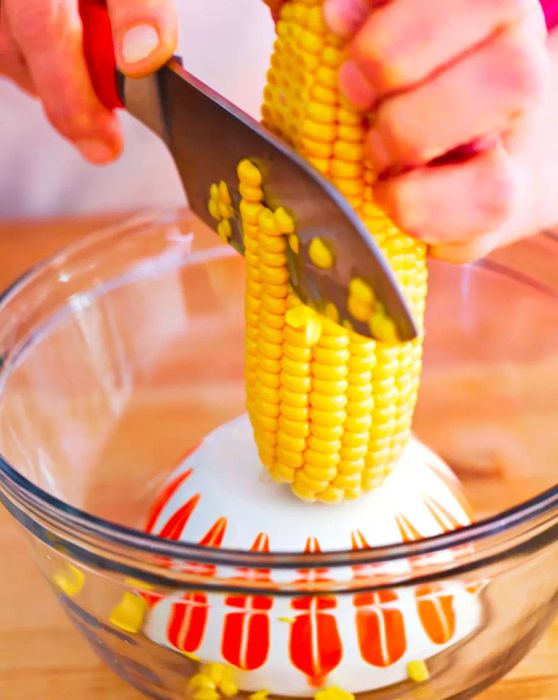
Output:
x,y
205,694
224,229
70,581
261,694
418,671
129,614
325,432
331,312
343,170
224,193
320,254
332,410
294,243
319,131
249,174
213,671
333,693
322,113
213,207
228,689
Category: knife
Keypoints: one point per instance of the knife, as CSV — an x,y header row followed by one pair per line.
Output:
x,y
208,136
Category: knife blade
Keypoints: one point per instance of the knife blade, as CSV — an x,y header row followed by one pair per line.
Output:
x,y
208,136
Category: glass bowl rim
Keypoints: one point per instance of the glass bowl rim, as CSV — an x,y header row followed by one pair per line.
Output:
x,y
86,524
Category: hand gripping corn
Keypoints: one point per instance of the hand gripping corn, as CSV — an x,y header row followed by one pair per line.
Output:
x,y
331,409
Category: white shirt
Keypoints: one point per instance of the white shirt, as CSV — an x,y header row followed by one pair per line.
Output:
x,y
226,43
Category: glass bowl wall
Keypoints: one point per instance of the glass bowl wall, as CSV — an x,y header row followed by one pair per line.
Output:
x,y
122,351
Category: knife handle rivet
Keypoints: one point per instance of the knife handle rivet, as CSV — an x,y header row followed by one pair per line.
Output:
x,y
321,254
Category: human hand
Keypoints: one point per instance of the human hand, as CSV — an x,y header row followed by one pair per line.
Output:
x,y
441,75
41,49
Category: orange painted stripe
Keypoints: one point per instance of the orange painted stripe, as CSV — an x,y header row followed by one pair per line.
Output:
x,y
436,613
441,515
455,489
187,622
174,527
164,497
214,536
245,641
246,632
381,630
312,546
261,543
477,587
408,532
358,541
315,646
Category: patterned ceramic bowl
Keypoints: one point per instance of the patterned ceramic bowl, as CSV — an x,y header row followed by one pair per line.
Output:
x,y
124,351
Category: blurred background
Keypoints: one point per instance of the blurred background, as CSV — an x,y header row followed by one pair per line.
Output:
x,y
226,43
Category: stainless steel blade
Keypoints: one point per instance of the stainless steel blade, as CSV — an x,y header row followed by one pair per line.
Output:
x,y
208,136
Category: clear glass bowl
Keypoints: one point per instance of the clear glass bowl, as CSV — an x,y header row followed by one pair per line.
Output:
x,y
122,351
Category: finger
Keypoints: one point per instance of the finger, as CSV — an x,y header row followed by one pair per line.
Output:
x,y
405,41
452,203
49,34
12,63
345,17
145,33
466,252
486,90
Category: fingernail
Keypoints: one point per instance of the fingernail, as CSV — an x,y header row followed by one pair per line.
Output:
x,y
377,152
345,17
139,42
355,85
96,151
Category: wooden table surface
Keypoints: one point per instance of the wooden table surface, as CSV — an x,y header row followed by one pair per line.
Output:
x,y
42,657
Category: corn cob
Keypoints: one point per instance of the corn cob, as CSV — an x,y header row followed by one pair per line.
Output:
x,y
331,409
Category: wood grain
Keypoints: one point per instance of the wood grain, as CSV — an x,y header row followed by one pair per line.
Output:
x,y
42,657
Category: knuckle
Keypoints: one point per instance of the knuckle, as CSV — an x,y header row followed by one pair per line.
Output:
x,y
383,62
526,64
59,120
460,253
71,122
401,198
406,139
12,64
496,190
45,25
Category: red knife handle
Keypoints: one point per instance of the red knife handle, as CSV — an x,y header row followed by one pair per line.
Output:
x,y
98,48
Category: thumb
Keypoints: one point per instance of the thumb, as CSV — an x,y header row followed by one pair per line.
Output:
x,y
145,34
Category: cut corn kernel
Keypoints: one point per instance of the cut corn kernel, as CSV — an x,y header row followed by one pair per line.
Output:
x,y
129,614
320,254
333,693
259,695
70,581
418,671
